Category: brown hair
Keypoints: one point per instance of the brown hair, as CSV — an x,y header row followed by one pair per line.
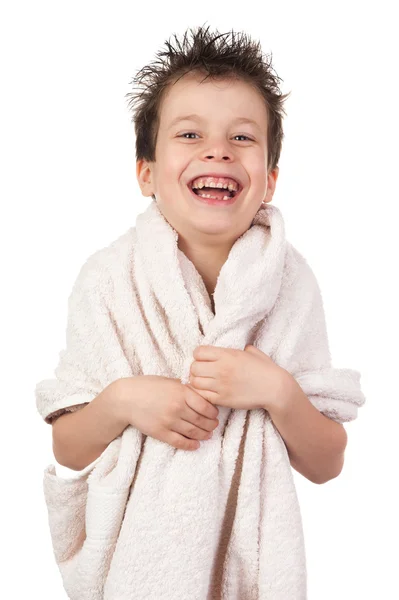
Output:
x,y
219,57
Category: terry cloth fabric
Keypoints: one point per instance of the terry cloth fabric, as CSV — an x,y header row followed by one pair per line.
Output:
x,y
147,520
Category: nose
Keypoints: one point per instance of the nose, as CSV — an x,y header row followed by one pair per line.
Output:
x,y
219,151
212,156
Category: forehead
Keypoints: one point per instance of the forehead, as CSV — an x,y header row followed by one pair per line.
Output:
x,y
212,100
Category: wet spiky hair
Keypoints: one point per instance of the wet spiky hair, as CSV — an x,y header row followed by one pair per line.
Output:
x,y
219,56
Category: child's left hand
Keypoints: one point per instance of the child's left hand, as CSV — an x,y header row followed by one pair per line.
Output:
x,y
239,379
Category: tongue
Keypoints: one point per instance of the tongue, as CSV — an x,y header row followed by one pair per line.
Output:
x,y
217,192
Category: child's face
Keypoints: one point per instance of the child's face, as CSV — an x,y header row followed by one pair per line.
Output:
x,y
215,144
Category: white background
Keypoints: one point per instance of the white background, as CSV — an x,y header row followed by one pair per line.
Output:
x,y
68,188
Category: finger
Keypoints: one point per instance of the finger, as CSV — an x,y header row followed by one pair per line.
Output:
x,y
204,383
255,350
191,431
201,405
207,353
197,420
211,397
203,369
181,442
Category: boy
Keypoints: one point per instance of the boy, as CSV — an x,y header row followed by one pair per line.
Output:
x,y
200,142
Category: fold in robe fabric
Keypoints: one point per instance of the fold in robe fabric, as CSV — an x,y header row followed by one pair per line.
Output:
x,y
147,520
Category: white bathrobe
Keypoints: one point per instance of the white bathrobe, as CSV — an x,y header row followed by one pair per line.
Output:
x,y
149,521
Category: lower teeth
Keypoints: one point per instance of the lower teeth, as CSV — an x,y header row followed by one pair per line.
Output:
x,y
214,197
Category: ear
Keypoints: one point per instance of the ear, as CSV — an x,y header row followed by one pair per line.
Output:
x,y
144,174
271,184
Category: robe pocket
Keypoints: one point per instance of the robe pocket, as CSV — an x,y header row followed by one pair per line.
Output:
x,y
66,500
85,514
84,519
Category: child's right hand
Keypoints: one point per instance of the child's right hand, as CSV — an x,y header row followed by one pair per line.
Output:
x,y
167,410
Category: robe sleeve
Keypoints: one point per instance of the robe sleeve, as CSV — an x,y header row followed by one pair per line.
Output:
x,y
79,373
304,350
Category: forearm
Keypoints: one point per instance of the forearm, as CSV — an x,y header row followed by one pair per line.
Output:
x,y
315,443
80,437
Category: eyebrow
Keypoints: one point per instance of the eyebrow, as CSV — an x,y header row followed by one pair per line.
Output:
x,y
194,117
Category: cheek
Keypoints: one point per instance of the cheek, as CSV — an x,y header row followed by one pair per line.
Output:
x,y
256,165
260,178
175,156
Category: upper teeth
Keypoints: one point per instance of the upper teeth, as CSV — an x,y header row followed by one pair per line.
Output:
x,y
216,183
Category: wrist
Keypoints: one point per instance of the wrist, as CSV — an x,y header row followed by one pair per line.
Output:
x,y
280,401
121,392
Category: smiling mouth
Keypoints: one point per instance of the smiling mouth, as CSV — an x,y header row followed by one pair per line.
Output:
x,y
222,199
227,194
221,193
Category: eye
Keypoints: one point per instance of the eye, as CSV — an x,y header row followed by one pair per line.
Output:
x,y
193,133
248,138
188,133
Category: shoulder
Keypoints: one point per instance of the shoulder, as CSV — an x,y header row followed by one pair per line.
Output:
x,y
298,274
98,271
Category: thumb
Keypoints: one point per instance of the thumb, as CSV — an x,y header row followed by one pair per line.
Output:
x,y
249,347
253,349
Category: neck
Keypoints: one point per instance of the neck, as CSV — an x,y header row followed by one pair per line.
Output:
x,y
208,260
